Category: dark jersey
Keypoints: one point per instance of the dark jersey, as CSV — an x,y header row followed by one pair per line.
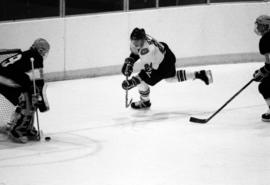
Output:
x,y
21,62
14,69
264,45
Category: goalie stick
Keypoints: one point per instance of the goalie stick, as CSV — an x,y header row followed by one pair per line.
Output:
x,y
204,121
35,94
128,103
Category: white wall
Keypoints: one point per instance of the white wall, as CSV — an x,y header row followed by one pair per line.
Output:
x,y
100,40
22,35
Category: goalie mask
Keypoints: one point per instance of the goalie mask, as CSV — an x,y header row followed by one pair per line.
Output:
x,y
42,46
262,25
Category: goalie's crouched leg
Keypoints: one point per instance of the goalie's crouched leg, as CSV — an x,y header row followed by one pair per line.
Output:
x,y
22,124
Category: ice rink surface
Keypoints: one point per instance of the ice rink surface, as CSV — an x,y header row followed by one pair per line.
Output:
x,y
97,141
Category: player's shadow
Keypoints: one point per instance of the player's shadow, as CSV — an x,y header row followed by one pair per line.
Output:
x,y
148,116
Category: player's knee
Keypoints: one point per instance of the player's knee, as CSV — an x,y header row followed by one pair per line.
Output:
x,y
143,86
260,88
148,80
145,93
264,90
151,82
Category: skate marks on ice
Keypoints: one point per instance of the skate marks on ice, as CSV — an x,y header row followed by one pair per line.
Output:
x,y
73,145
63,147
153,116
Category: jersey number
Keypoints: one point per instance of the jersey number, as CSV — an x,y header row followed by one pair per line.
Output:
x,y
11,60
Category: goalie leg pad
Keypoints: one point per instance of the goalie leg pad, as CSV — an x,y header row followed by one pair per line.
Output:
x,y
22,126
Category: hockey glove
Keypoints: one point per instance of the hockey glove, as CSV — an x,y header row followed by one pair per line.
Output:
x,y
129,84
127,68
260,74
35,100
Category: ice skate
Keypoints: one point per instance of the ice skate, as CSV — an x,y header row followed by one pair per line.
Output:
x,y
23,135
5,128
21,128
205,76
33,134
266,117
141,104
18,138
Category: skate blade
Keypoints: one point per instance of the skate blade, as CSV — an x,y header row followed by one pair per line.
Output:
x,y
22,139
37,137
209,76
266,120
3,129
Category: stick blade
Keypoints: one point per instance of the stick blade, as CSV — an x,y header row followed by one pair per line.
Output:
x,y
197,120
128,103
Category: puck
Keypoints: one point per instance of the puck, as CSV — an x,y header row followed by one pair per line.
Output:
x,y
47,138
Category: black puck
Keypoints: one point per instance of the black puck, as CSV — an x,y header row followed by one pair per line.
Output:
x,y
47,138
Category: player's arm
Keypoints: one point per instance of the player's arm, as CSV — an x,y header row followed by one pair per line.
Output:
x,y
36,74
127,68
266,68
263,71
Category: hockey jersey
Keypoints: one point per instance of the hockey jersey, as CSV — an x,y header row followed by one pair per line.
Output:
x,y
264,47
20,62
152,53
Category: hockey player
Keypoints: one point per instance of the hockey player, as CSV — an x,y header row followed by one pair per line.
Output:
x,y
157,62
262,28
16,84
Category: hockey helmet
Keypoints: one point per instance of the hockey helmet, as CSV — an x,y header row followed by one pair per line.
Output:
x,y
42,46
262,24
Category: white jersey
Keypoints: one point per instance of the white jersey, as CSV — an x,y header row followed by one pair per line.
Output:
x,y
152,53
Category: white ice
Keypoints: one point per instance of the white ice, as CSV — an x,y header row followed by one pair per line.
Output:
x,y
97,141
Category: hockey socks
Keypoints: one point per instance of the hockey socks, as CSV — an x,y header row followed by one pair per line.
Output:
x,y
205,76
145,94
144,103
183,75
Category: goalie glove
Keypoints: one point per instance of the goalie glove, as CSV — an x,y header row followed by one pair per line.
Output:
x,y
35,100
260,74
131,83
127,68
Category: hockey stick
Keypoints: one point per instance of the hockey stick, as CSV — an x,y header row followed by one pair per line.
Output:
x,y
203,121
35,94
128,103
